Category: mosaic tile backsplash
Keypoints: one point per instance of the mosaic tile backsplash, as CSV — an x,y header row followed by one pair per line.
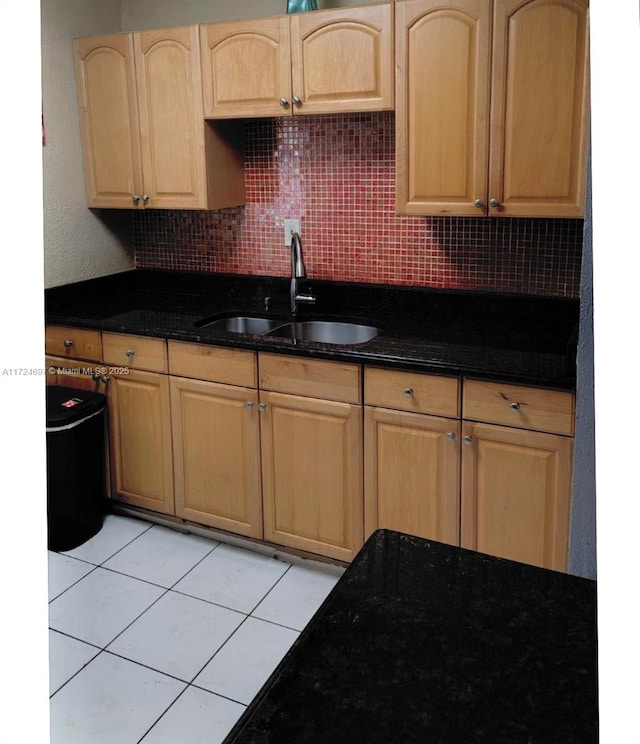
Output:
x,y
337,174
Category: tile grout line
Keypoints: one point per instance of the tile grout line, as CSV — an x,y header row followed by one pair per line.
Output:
x,y
217,651
72,585
191,682
164,593
104,648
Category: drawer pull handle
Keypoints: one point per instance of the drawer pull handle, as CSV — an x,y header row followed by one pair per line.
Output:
x,y
408,392
468,439
130,352
249,404
451,436
515,407
68,343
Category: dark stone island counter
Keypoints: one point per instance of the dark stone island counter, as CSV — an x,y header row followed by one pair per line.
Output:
x,y
421,642
512,338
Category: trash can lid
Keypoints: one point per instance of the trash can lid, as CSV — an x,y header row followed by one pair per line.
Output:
x,y
66,405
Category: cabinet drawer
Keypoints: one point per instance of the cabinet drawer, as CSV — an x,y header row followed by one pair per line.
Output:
x,y
522,407
314,378
412,391
74,343
230,366
137,352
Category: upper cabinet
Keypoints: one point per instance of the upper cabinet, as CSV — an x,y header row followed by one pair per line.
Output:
x,y
306,63
492,120
145,141
539,108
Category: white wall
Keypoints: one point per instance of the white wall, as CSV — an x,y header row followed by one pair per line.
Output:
x,y
78,243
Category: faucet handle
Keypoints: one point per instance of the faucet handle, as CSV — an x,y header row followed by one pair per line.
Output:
x,y
308,298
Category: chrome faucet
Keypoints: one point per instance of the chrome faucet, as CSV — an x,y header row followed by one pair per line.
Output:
x,y
298,271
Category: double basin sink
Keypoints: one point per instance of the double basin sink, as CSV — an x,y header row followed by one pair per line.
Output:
x,y
325,331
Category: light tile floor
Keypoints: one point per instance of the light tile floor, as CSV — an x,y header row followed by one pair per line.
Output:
x,y
161,637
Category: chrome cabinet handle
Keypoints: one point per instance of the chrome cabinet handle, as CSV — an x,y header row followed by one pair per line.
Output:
x,y
494,203
249,404
467,439
451,436
408,392
515,407
135,198
297,101
130,352
478,203
145,198
262,406
284,102
68,343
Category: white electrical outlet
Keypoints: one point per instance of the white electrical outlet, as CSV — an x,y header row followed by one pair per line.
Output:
x,y
289,227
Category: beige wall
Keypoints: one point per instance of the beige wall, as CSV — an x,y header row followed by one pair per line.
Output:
x,y
78,243
139,14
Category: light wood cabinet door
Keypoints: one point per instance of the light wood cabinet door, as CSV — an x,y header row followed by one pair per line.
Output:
x,y
312,474
342,60
109,128
187,163
216,449
412,474
492,120
539,116
516,493
144,138
307,63
171,117
442,103
246,67
73,373
140,434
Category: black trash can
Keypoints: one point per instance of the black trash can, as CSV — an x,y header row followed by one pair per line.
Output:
x,y
76,468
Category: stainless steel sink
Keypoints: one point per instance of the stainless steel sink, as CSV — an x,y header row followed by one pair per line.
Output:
x,y
326,331
239,324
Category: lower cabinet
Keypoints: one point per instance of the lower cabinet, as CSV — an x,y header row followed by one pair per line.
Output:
x,y
312,474
74,373
140,440
412,458
139,420
412,474
503,487
216,451
298,452
516,494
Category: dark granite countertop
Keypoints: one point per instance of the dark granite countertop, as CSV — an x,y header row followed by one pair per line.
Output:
x,y
425,642
517,338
